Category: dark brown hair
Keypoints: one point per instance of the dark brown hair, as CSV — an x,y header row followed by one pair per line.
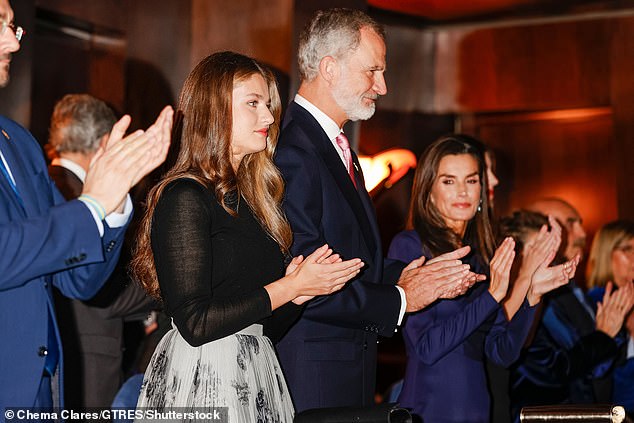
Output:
x,y
425,218
519,225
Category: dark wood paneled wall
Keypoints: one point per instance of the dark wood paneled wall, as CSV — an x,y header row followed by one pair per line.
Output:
x,y
622,101
566,154
259,29
535,67
556,66
103,13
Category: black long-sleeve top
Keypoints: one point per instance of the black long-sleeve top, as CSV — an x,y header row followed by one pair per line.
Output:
x,y
212,267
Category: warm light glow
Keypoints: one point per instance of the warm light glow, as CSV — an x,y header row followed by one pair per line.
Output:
x,y
376,169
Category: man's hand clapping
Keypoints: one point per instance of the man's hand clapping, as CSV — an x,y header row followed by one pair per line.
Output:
x,y
444,276
124,160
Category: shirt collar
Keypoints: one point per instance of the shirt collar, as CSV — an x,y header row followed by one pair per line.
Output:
x,y
72,166
327,124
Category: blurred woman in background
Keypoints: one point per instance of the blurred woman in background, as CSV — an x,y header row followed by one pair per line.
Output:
x,y
611,266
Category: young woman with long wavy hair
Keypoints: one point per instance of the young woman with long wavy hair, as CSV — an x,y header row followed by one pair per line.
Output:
x,y
213,245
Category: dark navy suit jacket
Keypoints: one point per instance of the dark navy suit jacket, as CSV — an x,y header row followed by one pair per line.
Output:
x,y
44,242
329,355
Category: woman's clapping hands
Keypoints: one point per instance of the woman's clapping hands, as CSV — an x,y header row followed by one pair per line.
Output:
x,y
614,308
501,269
321,273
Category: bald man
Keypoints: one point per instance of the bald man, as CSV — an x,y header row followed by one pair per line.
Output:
x,y
574,239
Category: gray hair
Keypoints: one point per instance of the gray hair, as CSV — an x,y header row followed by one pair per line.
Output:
x,y
79,122
332,32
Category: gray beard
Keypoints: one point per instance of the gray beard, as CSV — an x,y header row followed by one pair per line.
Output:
x,y
356,111
351,104
361,113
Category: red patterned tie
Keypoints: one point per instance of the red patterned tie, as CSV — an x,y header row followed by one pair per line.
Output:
x,y
343,143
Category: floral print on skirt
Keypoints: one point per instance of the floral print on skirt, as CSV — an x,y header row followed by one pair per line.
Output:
x,y
240,372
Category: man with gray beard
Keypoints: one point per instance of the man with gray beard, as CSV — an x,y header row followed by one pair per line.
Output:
x,y
329,355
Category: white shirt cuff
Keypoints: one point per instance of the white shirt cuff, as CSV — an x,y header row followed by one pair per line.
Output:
x,y
114,220
401,313
630,347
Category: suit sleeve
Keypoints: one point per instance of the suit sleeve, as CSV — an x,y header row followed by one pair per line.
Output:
x,y
131,302
65,242
361,304
120,297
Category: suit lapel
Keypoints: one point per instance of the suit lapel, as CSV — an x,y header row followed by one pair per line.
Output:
x,y
336,167
8,193
20,171
366,201
577,314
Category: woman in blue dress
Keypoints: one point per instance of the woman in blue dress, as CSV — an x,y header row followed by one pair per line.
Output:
x,y
447,342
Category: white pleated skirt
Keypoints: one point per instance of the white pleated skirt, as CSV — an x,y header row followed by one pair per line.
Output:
x,y
240,372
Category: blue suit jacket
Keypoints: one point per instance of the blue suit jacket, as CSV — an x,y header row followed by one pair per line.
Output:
x,y
329,355
45,242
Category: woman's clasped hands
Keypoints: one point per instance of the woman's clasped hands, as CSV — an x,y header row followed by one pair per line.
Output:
x,y
321,273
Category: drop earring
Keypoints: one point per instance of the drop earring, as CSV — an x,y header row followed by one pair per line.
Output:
x,y
480,206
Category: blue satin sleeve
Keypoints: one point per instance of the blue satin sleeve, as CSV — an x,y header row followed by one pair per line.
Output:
x,y
436,331
595,296
558,354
